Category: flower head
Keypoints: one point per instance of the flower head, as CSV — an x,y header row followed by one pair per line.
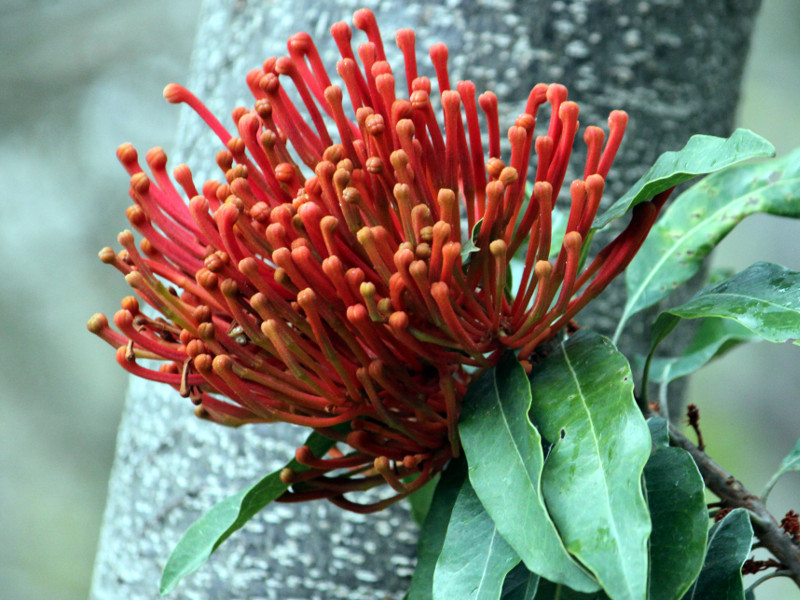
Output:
x,y
361,280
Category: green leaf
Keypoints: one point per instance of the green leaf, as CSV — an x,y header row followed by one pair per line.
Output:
x,y
475,558
764,298
702,154
713,338
433,531
555,591
791,462
702,216
679,516
729,544
583,401
470,247
209,531
520,584
659,432
504,453
420,500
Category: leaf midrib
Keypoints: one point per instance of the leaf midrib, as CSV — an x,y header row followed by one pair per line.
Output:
x,y
486,562
511,437
746,297
597,447
660,262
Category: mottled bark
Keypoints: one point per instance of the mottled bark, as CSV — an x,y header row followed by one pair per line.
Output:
x,y
673,66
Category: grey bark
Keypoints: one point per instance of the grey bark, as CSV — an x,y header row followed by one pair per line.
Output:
x,y
674,66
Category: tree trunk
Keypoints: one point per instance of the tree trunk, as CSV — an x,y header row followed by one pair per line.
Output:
x,y
673,67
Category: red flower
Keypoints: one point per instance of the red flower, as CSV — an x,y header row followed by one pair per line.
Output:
x,y
337,289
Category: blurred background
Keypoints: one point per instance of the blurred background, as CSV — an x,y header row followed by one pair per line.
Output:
x,y
77,77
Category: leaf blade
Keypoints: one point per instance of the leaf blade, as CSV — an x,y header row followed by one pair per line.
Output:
x,y
520,584
702,154
729,543
713,338
680,520
764,298
434,529
702,216
475,558
555,591
583,399
790,462
505,458
206,534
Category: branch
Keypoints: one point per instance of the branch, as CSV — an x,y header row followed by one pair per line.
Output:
x,y
733,493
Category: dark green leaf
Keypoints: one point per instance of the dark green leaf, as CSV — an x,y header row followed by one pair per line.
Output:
x,y
583,401
791,462
420,500
659,431
764,298
433,532
713,338
729,544
555,591
702,154
475,558
680,520
209,531
520,584
700,217
504,453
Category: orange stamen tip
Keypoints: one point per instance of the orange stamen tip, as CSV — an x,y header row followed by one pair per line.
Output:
x,y
287,476
229,288
573,240
306,298
107,255
498,248
174,93
593,133
127,154
508,176
494,166
134,279
419,99
595,182
222,363
542,187
451,100
140,183
363,18
156,158
568,111
97,323
542,268
556,93
617,118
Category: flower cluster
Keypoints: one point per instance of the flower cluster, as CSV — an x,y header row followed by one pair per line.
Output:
x,y
362,282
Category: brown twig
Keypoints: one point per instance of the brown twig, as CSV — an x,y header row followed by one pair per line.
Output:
x,y
733,493
693,414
